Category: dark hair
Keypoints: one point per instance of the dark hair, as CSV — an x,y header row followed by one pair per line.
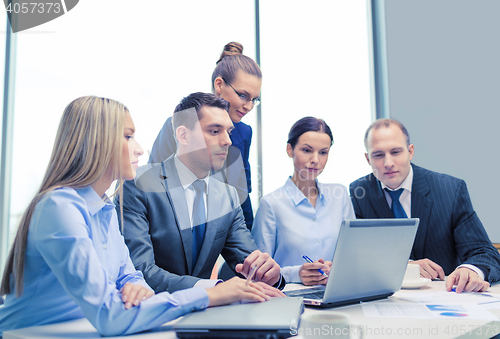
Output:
x,y
386,123
231,61
187,112
308,124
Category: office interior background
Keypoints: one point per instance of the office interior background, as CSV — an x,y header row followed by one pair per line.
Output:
x,y
430,64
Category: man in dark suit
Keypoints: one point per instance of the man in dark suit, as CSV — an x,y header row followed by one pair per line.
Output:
x,y
161,208
450,239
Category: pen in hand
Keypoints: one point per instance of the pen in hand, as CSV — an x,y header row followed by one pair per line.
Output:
x,y
306,258
251,274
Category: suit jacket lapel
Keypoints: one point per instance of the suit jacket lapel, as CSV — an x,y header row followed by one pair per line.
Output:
x,y
377,199
212,225
420,208
176,196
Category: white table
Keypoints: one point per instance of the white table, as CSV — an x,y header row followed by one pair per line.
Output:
x,y
375,327
80,328
419,328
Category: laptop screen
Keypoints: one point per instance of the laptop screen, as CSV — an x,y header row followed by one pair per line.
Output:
x,y
370,258
369,262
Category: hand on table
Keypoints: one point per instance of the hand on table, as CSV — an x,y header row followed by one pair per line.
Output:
x,y
133,294
466,280
236,289
268,270
429,269
269,290
309,274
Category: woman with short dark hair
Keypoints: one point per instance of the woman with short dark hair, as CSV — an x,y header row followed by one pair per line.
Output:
x,y
303,217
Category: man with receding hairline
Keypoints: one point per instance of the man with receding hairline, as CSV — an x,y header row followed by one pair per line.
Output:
x,y
450,239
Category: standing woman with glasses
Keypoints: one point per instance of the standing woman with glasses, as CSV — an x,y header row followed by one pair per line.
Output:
x,y
237,79
69,259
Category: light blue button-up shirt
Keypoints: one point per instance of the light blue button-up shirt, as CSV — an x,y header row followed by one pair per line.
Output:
x,y
287,226
76,264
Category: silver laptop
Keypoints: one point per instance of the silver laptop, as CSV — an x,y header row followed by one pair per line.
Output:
x,y
275,318
369,262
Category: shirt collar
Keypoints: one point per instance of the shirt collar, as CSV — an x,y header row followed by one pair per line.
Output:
x,y
297,195
406,184
320,190
94,202
185,175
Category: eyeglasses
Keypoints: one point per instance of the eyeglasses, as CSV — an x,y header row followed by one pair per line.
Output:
x,y
244,97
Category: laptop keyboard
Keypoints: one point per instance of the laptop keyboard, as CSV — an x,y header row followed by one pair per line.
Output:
x,y
313,293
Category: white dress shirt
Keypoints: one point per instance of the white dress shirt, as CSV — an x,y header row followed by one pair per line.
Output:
x,y
405,197
287,226
187,178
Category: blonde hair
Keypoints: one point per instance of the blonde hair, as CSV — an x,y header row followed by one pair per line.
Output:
x,y
91,128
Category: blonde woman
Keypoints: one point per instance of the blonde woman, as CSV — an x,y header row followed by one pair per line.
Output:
x,y
69,260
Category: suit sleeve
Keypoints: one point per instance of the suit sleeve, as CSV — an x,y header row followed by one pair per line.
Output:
x,y
136,230
471,240
239,242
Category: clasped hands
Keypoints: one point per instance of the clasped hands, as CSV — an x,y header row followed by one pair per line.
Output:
x,y
133,294
465,279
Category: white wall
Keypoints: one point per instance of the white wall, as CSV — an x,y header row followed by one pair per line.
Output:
x,y
315,62
444,85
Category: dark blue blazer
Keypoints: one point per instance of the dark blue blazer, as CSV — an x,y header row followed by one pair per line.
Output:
x,y
237,175
241,138
450,232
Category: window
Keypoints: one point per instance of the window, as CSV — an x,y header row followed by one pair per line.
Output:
x,y
148,62
314,62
